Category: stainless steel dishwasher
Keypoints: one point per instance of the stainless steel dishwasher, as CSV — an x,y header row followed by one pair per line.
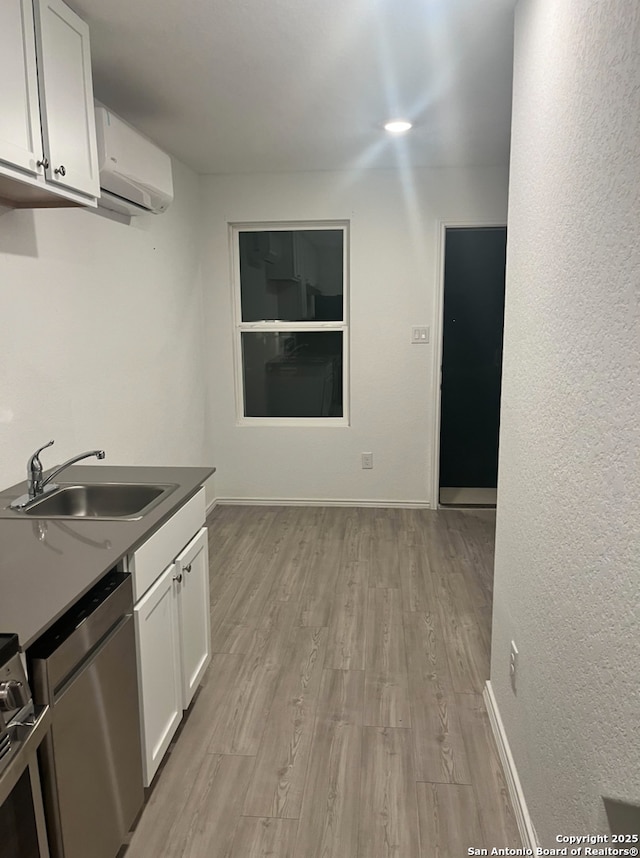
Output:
x,y
84,667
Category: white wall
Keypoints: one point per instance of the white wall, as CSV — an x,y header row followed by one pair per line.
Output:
x,y
393,221
567,584
101,336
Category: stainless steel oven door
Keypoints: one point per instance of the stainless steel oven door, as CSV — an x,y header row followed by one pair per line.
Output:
x,y
22,825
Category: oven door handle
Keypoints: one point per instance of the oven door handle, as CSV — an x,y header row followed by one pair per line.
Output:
x,y
25,750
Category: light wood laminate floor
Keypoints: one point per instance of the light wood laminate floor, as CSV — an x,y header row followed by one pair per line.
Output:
x,y
341,716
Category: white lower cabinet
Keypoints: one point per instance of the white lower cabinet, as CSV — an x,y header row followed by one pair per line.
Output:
x,y
192,567
159,683
172,627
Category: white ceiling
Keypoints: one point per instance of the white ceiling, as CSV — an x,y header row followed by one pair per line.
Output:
x,y
279,85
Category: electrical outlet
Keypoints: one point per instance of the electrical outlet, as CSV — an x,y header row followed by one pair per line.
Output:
x,y
367,460
419,335
513,665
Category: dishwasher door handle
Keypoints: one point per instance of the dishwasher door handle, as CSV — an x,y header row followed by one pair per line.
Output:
x,y
88,662
72,641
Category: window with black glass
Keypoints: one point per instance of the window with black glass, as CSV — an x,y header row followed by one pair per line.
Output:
x,y
292,328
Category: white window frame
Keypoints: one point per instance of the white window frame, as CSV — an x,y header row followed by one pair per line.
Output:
x,y
241,327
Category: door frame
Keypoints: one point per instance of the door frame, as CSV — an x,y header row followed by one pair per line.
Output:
x,y
438,336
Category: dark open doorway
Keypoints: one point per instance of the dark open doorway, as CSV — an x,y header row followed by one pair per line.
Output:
x,y
473,319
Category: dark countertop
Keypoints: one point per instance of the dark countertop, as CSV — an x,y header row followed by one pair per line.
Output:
x,y
47,564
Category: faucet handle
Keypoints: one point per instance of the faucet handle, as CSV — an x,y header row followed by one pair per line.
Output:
x,y
34,461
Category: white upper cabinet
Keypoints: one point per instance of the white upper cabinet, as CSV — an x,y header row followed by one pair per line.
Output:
x,y
20,139
48,152
66,92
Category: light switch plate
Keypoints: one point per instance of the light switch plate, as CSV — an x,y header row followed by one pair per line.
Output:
x,y
420,335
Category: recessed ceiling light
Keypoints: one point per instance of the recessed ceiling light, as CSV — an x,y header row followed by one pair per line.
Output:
x,y
397,126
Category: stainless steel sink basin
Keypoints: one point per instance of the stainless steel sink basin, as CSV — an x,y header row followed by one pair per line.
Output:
x,y
99,500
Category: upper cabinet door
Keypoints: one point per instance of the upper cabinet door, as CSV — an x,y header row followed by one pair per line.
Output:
x,y
20,138
66,92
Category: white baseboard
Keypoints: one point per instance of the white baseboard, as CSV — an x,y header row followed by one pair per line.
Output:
x,y
382,504
525,823
212,506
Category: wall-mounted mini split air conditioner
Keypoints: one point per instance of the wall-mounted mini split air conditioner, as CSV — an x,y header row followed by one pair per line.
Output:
x,y
135,175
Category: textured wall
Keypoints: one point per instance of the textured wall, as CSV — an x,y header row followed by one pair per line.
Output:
x,y
393,219
101,335
568,534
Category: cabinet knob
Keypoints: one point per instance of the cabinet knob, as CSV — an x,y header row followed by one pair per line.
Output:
x,y
43,163
187,568
60,170
178,577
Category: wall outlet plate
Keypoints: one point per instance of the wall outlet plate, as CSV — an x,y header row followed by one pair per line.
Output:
x,y
367,460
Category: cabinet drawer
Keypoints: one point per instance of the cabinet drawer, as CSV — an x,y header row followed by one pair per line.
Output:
x,y
163,547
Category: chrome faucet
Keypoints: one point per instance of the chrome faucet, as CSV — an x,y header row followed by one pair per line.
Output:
x,y
36,486
34,473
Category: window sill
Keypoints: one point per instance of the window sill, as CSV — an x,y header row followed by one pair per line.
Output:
x,y
309,422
